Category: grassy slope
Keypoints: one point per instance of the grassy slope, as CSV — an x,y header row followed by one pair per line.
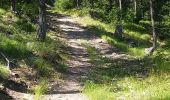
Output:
x,y
41,59
117,81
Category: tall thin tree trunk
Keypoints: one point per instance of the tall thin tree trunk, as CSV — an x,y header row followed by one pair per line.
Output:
x,y
149,51
13,6
42,20
153,24
135,9
143,13
120,5
77,3
120,8
119,30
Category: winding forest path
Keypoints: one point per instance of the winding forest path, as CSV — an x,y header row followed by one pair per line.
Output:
x,y
76,36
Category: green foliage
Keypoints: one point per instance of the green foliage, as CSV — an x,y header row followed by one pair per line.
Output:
x,y
162,62
129,79
98,14
18,42
43,67
29,10
112,16
13,48
163,27
25,25
98,92
4,72
63,5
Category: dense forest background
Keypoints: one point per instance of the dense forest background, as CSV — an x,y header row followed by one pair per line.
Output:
x,y
35,57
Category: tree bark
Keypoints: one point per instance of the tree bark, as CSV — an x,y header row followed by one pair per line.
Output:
x,y
153,24
13,6
42,20
120,5
120,8
78,3
135,9
119,30
149,51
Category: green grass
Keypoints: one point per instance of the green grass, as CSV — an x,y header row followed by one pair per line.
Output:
x,y
131,79
4,72
45,58
39,90
135,78
129,88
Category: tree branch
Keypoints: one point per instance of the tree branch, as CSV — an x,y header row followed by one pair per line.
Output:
x,y
8,61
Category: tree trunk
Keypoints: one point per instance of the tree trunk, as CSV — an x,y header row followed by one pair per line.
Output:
x,y
120,5
120,11
149,51
153,24
78,3
135,9
42,20
143,12
119,30
13,6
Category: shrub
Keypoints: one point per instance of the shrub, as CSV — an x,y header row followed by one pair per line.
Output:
x,y
63,4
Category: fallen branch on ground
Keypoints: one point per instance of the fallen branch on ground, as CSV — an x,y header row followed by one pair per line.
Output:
x,y
8,63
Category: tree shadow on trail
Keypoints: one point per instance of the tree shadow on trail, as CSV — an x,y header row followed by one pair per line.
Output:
x,y
69,27
105,69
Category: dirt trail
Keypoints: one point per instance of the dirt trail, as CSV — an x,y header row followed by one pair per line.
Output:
x,y
79,64
75,36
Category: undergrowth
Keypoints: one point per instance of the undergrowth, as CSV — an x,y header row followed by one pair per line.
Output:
x,y
128,79
19,43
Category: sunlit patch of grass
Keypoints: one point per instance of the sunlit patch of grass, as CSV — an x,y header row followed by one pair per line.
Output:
x,y
98,91
73,12
139,52
4,72
13,48
88,21
130,88
2,11
116,80
39,90
76,12
137,35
